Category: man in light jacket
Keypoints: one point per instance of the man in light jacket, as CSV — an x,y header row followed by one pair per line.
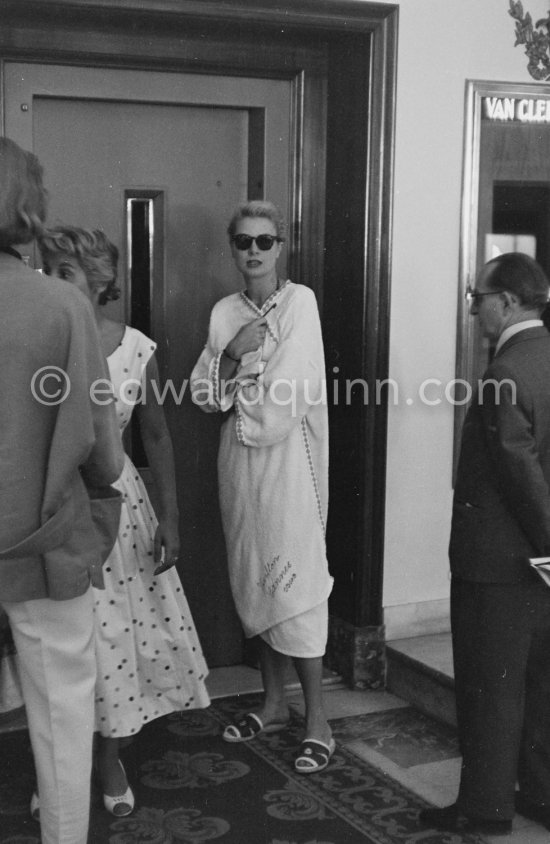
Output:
x,y
58,439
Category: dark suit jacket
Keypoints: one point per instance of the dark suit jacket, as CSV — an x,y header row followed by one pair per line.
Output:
x,y
501,506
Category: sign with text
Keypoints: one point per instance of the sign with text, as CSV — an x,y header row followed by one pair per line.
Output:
x,y
522,110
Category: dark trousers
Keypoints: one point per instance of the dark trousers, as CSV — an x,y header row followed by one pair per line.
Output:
x,y
501,651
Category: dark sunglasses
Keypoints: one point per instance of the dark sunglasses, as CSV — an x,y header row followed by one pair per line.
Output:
x,y
264,242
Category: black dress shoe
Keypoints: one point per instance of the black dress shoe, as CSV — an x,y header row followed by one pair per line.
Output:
x,y
533,811
452,819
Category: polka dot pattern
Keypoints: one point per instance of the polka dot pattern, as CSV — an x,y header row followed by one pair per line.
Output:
x,y
149,658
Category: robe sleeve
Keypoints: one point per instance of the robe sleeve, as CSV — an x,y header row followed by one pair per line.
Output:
x,y
205,377
272,404
207,391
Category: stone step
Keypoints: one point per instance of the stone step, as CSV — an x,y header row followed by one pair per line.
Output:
x,y
420,671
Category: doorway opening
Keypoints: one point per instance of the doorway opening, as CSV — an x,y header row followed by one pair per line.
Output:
x,y
339,59
521,220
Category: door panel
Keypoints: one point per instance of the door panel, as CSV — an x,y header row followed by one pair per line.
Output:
x,y
197,142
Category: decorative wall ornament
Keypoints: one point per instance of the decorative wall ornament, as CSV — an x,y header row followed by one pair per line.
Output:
x,y
536,39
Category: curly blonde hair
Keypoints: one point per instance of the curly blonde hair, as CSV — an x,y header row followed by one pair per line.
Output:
x,y
93,250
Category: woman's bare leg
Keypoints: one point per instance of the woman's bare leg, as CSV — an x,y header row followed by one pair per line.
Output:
x,y
111,775
273,667
310,673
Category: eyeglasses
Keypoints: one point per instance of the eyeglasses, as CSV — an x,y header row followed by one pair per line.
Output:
x,y
473,296
264,242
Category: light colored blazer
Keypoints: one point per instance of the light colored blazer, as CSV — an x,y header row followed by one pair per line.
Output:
x,y
501,507
55,438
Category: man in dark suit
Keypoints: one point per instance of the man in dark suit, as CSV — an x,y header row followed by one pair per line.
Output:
x,y
500,608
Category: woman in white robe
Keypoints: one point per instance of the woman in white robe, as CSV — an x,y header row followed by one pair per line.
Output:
x,y
263,366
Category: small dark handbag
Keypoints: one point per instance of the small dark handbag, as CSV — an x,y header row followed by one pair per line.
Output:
x,y
105,506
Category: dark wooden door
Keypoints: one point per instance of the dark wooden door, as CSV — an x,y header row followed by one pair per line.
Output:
x,y
339,60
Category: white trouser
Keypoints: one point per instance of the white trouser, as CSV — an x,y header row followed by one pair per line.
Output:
x,y
56,660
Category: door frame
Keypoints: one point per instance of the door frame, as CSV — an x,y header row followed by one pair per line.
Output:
x,y
225,36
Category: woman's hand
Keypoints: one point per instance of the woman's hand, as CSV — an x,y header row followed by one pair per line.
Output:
x,y
249,338
167,538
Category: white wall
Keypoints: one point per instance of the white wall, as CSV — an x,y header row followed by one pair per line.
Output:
x,y
441,44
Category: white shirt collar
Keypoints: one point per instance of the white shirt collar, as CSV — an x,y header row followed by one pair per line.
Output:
x,y
514,329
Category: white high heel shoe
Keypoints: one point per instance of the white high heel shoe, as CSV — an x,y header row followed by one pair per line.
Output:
x,y
120,806
123,804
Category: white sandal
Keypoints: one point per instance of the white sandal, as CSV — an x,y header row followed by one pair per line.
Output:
x,y
314,756
249,727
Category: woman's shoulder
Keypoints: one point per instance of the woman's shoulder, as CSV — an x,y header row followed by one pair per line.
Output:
x,y
137,336
134,342
227,303
299,294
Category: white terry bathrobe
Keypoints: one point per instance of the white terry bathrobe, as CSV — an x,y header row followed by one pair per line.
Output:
x,y
273,467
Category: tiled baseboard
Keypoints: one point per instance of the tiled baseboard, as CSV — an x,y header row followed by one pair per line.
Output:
x,y
424,618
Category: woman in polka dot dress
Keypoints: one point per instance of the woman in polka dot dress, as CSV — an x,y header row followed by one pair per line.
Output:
x,y
149,658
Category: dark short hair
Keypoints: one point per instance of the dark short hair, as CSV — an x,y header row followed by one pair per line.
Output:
x,y
93,250
22,194
521,275
257,208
